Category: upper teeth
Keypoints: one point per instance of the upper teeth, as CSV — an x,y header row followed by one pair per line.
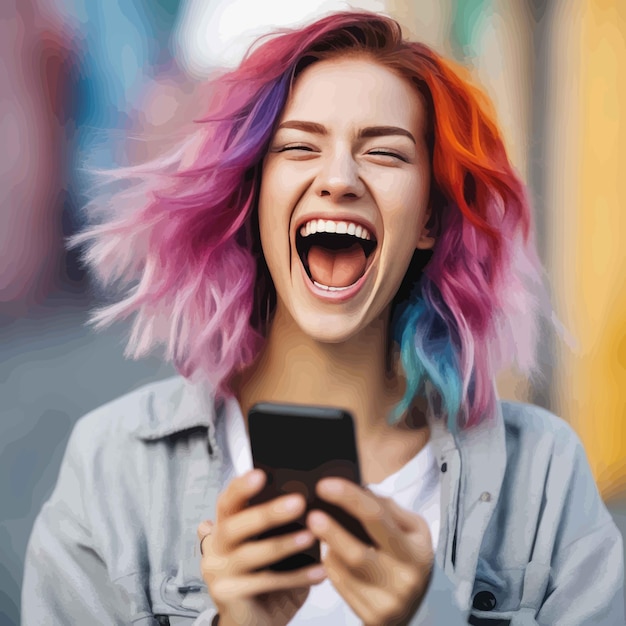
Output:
x,y
330,226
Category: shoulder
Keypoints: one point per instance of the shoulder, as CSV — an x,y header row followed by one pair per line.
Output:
x,y
123,427
159,428
527,424
538,441
137,472
546,462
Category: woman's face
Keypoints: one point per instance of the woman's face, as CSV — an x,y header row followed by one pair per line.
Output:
x,y
344,195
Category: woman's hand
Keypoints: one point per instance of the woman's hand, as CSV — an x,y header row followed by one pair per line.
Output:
x,y
231,557
383,584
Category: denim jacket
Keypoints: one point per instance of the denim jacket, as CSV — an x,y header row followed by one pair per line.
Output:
x,y
525,537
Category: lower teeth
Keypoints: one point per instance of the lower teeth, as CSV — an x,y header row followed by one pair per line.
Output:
x,y
327,288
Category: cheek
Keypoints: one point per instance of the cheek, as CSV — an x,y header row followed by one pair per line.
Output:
x,y
274,231
411,210
275,198
268,210
415,190
270,241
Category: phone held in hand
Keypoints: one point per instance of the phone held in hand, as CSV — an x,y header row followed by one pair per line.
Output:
x,y
296,446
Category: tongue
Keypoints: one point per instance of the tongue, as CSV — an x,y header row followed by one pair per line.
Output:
x,y
337,268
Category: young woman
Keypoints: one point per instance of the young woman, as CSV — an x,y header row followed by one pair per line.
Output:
x,y
344,229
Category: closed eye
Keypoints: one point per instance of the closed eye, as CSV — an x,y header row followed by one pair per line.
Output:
x,y
389,154
298,147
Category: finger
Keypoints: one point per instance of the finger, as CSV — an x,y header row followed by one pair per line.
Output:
x,y
359,559
373,603
255,555
371,510
355,594
341,580
367,563
258,519
230,589
236,496
407,520
419,546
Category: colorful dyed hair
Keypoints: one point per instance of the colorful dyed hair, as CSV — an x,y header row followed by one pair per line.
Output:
x,y
180,237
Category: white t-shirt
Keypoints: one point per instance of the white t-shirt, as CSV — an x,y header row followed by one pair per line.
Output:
x,y
415,487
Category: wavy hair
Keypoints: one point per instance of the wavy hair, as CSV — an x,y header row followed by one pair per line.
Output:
x,y
180,237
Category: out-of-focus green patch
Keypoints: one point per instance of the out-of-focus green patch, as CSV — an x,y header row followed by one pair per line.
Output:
x,y
466,25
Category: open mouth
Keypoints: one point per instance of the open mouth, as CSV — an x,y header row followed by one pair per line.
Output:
x,y
335,255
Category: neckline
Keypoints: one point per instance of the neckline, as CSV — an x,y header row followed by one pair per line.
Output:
x,y
416,468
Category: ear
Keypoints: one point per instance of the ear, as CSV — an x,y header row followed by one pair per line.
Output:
x,y
425,241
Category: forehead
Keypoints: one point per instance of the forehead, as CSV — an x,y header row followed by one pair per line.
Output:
x,y
357,91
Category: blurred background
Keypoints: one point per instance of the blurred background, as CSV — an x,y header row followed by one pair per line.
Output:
x,y
87,83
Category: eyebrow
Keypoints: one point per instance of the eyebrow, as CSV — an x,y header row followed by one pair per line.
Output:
x,y
364,133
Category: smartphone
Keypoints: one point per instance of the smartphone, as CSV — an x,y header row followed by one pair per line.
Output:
x,y
296,446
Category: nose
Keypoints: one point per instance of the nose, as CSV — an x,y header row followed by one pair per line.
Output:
x,y
339,177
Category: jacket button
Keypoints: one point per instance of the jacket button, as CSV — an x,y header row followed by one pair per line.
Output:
x,y
444,467
484,601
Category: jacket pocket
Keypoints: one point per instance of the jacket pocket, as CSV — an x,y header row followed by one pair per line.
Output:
x,y
508,596
496,590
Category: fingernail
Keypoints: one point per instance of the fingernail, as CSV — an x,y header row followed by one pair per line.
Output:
x,y
317,573
291,503
255,478
303,538
331,486
317,520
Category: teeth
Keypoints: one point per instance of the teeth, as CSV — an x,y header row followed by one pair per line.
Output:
x,y
329,226
327,288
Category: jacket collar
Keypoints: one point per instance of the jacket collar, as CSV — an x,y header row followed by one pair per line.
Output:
x,y
173,406
177,404
482,448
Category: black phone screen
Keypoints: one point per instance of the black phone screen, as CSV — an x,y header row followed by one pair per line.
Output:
x,y
296,446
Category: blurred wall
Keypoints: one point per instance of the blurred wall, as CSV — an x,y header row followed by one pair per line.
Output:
x,y
587,226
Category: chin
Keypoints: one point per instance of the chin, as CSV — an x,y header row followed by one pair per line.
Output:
x,y
329,329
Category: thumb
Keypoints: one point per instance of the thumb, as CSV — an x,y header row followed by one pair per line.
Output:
x,y
407,520
417,528
205,528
